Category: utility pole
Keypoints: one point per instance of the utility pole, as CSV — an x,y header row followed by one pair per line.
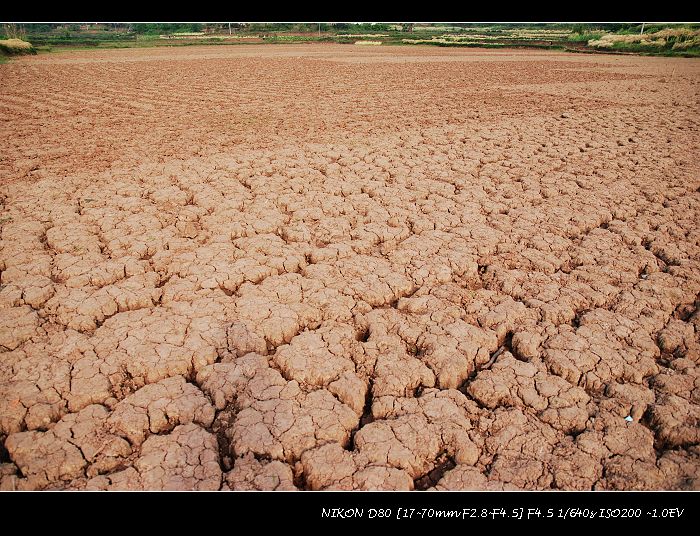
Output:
x,y
640,33
229,28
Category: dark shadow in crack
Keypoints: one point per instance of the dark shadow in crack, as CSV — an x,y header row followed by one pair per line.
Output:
x,y
443,463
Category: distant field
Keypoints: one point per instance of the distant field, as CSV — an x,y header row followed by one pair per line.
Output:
x,y
613,39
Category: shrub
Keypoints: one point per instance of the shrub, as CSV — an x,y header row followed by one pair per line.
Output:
x,y
13,47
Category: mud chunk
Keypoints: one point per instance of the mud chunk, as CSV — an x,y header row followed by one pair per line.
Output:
x,y
139,347
674,413
396,371
526,345
185,459
277,418
19,325
601,350
159,407
249,474
222,382
513,383
333,468
319,357
78,444
454,351
242,341
678,338
410,433
467,478
36,381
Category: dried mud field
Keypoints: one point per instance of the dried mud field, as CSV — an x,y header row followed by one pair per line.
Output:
x,y
327,267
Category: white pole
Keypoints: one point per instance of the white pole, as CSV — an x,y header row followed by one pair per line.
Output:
x,y
229,28
640,33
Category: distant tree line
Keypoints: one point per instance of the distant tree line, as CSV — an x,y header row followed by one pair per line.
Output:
x,y
145,29
172,28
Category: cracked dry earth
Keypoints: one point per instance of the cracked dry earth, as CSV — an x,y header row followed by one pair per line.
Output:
x,y
326,267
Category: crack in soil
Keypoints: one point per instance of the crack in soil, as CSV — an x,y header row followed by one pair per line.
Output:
x,y
222,422
443,463
366,417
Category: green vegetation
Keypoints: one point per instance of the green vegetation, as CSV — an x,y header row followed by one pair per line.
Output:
x,y
674,40
15,47
13,43
157,29
654,50
585,36
669,41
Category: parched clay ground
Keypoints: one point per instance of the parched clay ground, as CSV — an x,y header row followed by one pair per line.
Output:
x,y
327,267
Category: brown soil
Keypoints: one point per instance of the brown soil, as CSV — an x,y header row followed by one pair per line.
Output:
x,y
333,267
